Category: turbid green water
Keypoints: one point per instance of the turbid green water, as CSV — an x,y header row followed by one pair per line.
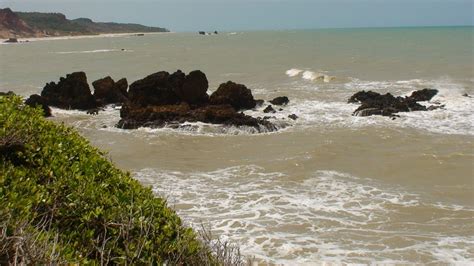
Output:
x,y
328,188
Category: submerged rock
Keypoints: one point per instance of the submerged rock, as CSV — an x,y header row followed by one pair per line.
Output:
x,y
71,92
373,103
36,100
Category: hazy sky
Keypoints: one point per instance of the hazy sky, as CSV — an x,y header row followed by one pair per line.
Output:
x,y
193,15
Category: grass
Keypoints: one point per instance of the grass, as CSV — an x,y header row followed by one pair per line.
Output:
x,y
62,201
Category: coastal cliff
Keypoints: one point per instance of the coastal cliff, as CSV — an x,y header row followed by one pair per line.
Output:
x,y
35,24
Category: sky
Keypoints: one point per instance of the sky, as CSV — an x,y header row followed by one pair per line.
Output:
x,y
234,15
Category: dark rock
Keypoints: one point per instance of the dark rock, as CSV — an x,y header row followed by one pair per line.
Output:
x,y
94,111
259,103
435,107
237,95
293,116
466,95
202,33
423,95
107,91
160,116
162,99
362,96
72,92
283,100
36,100
11,40
269,109
153,90
374,103
368,112
162,88
193,90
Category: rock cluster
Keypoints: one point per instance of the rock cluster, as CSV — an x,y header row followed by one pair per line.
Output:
x,y
160,99
373,103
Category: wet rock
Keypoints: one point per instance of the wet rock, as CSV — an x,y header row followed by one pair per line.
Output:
x,y
107,91
368,112
162,88
282,100
36,100
259,103
237,95
154,89
193,89
373,103
293,117
423,95
362,96
93,111
269,109
435,107
160,116
71,92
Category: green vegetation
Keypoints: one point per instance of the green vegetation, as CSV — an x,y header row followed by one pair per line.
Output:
x,y
62,201
52,23
58,24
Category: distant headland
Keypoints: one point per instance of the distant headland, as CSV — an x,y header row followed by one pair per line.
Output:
x,y
34,24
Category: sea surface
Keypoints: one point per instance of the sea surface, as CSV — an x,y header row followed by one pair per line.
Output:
x,y
329,187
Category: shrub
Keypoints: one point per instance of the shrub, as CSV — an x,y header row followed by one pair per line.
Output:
x,y
62,201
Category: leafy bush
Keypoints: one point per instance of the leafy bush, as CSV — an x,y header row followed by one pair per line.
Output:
x,y
62,201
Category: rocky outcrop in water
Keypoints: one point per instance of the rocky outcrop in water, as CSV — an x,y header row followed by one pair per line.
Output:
x,y
71,92
282,100
158,100
237,95
107,91
373,103
164,99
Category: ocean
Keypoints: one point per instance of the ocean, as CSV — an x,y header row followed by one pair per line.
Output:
x,y
330,187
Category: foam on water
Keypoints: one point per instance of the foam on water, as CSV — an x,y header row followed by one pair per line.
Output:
x,y
310,75
93,51
327,216
108,118
293,72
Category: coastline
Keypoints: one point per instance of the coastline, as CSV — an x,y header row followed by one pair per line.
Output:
x,y
75,37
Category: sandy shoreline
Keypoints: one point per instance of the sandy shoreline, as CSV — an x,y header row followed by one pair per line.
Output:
x,y
105,35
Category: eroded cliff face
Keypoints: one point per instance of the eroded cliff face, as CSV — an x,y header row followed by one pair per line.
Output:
x,y
36,24
12,26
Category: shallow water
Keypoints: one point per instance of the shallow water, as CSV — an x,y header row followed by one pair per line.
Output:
x,y
329,187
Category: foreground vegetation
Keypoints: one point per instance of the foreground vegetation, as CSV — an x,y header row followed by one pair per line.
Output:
x,y
62,201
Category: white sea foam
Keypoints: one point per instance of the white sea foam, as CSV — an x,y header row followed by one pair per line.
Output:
x,y
107,119
293,72
94,51
327,216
